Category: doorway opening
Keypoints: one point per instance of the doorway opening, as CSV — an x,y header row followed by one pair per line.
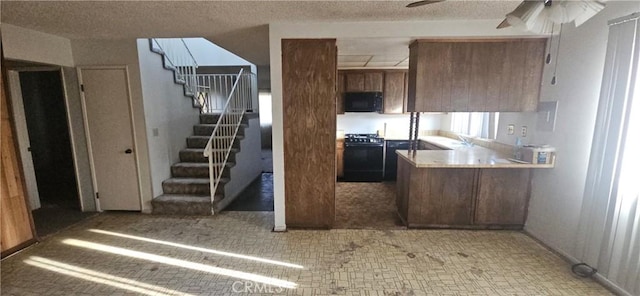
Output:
x,y
370,126
258,196
46,146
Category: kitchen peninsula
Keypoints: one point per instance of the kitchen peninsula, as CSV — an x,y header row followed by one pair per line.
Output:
x,y
462,187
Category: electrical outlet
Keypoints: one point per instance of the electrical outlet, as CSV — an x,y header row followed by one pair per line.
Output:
x,y
511,129
524,131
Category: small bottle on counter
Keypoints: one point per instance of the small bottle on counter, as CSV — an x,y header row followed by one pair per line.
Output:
x,y
517,153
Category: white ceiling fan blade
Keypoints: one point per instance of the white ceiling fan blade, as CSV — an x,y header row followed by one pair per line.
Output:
x,y
423,2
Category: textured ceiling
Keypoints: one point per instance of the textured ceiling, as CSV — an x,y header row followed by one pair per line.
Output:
x,y
239,26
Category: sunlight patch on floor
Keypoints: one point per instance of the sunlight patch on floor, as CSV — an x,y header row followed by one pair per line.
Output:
x,y
204,250
99,277
180,263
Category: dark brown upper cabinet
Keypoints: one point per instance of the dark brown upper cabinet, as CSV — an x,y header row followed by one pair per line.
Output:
x,y
394,92
359,81
465,75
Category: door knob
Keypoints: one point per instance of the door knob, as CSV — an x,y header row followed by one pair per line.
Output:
x,y
128,151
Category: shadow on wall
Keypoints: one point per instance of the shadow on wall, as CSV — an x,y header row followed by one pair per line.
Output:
x,y
265,134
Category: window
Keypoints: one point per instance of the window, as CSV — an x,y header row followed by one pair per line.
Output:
x,y
475,124
264,106
610,219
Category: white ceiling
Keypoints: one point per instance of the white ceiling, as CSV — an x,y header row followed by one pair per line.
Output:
x,y
239,26
373,53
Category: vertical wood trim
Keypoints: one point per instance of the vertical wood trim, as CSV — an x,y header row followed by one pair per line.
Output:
x,y
309,120
340,84
17,229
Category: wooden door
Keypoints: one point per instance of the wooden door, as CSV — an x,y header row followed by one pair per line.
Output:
x,y
309,118
15,216
108,115
502,198
394,92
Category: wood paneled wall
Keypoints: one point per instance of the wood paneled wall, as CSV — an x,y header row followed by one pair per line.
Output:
x,y
15,218
309,106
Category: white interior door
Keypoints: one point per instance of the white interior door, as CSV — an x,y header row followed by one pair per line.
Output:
x,y
22,135
106,102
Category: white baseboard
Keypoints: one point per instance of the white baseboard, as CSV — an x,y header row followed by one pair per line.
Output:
x,y
280,228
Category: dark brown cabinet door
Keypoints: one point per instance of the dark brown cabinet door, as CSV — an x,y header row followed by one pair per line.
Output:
x,y
354,82
475,75
373,81
340,85
394,92
502,196
440,197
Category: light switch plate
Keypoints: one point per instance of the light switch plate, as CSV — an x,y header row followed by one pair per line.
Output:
x,y
547,112
511,129
155,132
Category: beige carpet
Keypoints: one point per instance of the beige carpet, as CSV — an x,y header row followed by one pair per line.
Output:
x,y
366,206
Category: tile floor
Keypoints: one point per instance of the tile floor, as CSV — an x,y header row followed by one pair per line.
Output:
x,y
258,196
51,218
134,254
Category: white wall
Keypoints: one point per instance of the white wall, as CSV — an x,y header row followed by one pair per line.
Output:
x,y
34,46
556,197
397,125
415,29
169,115
248,163
210,54
122,52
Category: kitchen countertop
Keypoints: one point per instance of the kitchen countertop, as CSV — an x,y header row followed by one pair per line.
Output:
x,y
460,156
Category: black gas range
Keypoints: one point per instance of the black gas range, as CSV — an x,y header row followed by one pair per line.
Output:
x,y
363,158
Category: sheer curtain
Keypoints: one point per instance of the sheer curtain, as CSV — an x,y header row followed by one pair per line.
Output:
x,y
609,235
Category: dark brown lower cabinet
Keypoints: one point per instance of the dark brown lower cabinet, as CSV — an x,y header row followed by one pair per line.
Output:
x,y
462,197
502,197
440,197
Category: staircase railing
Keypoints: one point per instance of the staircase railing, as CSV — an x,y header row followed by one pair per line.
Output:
x,y
179,58
224,134
214,90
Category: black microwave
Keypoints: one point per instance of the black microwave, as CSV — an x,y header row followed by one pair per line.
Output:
x,y
363,102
